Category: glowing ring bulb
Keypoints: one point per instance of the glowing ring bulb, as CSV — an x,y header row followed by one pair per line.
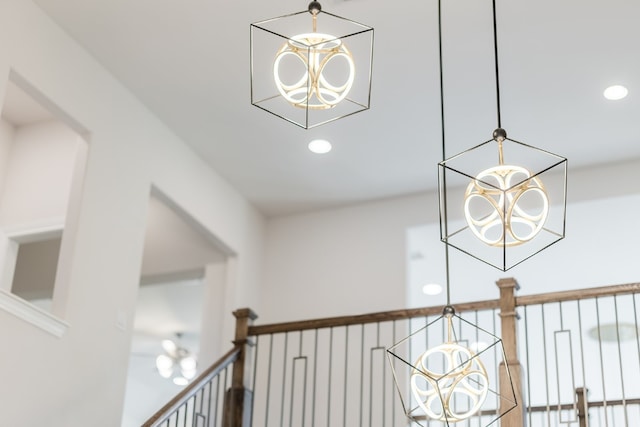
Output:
x,y
464,377
493,188
316,52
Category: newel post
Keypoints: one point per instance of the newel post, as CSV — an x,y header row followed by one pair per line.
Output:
x,y
509,317
238,398
583,406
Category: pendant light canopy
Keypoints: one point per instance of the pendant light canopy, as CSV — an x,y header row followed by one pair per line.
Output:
x,y
453,380
502,201
311,67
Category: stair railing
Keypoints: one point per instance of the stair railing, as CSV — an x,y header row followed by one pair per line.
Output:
x,y
218,396
285,374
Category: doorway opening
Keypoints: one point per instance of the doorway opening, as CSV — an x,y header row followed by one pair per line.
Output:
x,y
180,299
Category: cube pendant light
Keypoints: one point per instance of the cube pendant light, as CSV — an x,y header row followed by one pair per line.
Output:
x,y
454,380
504,200
447,371
311,67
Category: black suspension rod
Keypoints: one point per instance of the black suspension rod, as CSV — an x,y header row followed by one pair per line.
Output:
x,y
495,56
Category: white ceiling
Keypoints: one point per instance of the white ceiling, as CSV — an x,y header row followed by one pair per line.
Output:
x,y
188,61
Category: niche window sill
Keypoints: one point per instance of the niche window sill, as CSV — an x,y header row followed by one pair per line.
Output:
x,y
30,313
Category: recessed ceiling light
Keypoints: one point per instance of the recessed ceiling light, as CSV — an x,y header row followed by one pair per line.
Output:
x,y
432,289
320,146
615,92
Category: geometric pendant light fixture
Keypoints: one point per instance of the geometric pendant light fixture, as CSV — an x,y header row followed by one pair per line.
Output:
x,y
446,371
505,200
311,67
454,380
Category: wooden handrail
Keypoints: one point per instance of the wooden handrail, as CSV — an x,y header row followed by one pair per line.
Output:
x,y
384,316
194,387
562,406
330,322
578,294
570,406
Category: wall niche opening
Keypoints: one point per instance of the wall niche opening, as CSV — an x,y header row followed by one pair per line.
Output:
x,y
36,284
43,153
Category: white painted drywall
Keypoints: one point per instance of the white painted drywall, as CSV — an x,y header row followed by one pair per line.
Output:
x,y
6,142
215,277
38,174
7,251
341,261
79,379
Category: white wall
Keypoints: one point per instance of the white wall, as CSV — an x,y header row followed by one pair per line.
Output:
x,y
355,259
599,249
6,250
79,379
341,261
6,141
38,176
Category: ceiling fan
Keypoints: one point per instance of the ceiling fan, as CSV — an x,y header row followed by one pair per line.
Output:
x,y
176,362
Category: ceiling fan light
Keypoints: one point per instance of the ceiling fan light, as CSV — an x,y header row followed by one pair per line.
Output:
x,y
164,363
165,373
188,373
181,381
188,363
169,346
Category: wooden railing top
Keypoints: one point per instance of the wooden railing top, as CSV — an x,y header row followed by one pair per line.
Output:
x,y
578,294
386,316
206,376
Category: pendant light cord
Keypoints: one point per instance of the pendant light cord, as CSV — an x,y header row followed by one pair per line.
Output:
x,y
442,122
495,56
444,177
